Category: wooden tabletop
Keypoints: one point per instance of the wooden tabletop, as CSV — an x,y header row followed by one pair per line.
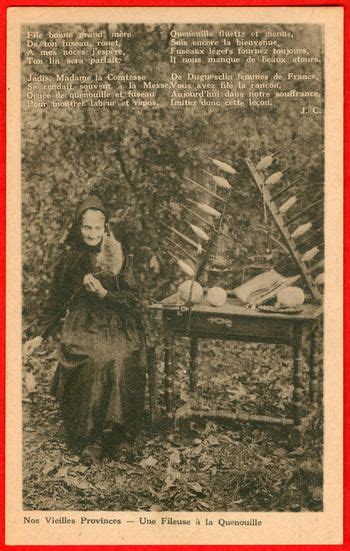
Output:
x,y
234,307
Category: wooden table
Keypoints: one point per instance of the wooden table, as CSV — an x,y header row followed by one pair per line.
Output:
x,y
236,322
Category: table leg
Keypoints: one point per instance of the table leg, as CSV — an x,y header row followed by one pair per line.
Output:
x,y
152,382
297,374
169,371
193,364
314,368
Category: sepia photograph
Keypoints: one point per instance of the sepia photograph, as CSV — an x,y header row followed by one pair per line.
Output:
x,y
174,248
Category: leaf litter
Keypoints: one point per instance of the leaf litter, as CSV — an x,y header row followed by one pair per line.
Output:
x,y
202,466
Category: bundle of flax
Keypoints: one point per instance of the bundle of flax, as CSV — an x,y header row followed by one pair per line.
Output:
x,y
109,260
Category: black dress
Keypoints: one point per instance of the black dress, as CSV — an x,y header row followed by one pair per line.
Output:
x,y
100,378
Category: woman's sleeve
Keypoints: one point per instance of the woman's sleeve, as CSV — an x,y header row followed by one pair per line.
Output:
x,y
124,298
55,305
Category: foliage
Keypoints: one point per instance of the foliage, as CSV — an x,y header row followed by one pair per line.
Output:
x,y
135,159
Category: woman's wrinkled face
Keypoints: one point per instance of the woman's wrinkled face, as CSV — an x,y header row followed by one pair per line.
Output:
x,y
92,227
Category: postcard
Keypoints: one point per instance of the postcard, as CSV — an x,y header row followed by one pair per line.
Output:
x,y
174,276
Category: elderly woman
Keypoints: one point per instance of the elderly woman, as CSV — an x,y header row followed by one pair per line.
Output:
x,y
100,378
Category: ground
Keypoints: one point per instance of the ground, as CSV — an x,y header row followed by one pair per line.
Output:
x,y
201,466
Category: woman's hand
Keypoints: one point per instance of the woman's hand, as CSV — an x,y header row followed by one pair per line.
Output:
x,y
94,286
31,345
